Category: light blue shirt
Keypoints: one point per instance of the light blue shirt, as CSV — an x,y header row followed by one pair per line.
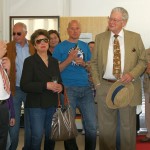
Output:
x,y
22,53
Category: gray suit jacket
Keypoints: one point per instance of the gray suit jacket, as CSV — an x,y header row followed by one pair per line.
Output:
x,y
134,59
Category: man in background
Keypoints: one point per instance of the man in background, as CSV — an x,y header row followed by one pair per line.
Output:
x,y
17,50
73,55
91,46
146,86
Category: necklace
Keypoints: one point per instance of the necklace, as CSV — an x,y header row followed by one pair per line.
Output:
x,y
45,59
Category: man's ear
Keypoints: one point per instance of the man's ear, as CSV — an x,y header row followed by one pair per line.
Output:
x,y
124,23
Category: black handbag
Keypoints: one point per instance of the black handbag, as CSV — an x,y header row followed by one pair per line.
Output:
x,y
63,125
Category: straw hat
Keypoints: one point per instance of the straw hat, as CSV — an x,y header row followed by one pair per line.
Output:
x,y
119,95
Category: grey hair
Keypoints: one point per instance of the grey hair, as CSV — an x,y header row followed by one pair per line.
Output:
x,y
23,25
125,15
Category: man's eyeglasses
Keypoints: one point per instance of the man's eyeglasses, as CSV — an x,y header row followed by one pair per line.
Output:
x,y
17,33
115,20
42,40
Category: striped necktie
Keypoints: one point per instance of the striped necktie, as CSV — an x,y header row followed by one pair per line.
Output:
x,y
116,58
5,79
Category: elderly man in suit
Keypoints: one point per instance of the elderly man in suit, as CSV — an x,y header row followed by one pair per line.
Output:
x,y
132,66
146,86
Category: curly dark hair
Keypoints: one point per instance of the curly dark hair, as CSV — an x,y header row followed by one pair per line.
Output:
x,y
38,32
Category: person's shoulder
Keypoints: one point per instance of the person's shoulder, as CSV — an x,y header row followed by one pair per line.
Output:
x,y
131,33
30,58
82,42
53,59
11,43
60,44
148,50
103,34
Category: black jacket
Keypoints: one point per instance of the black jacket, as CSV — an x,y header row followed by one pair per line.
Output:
x,y
35,76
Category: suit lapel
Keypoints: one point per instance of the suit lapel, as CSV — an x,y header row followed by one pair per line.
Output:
x,y
127,47
105,47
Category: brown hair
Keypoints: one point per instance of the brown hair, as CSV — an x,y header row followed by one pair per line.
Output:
x,y
55,32
37,33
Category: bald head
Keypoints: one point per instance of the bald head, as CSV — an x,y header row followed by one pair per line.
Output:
x,y
19,33
74,30
74,22
21,25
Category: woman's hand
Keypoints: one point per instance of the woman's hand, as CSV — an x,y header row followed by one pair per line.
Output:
x,y
55,87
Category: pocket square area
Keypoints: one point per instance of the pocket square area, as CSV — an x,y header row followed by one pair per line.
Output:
x,y
133,50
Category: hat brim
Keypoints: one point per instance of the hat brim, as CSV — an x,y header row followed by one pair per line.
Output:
x,y
122,98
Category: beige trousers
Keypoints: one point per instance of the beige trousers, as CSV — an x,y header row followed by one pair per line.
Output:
x,y
107,119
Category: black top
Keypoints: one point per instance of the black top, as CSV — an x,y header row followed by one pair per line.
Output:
x,y
35,76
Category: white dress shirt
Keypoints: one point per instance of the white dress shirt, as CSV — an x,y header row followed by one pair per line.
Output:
x,y
109,67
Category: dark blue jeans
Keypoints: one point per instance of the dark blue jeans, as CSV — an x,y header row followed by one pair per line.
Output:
x,y
40,120
82,97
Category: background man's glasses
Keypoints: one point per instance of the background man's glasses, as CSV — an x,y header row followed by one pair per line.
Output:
x,y
17,33
42,40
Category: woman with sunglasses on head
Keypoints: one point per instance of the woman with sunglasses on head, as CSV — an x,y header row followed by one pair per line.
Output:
x,y
53,40
42,92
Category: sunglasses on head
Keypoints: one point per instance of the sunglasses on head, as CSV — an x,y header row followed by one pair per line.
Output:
x,y
45,40
17,33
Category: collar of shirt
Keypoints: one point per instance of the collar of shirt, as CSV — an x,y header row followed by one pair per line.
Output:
x,y
22,54
26,43
121,35
108,72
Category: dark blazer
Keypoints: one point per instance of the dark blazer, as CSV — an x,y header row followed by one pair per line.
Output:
x,y
35,76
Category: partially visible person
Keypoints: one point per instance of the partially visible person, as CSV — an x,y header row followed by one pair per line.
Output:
x,y
42,93
91,46
4,95
11,119
72,55
53,40
132,66
17,51
146,85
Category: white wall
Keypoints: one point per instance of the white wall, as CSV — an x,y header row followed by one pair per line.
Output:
x,y
139,16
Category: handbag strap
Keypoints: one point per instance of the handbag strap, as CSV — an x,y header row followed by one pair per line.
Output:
x,y
66,101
